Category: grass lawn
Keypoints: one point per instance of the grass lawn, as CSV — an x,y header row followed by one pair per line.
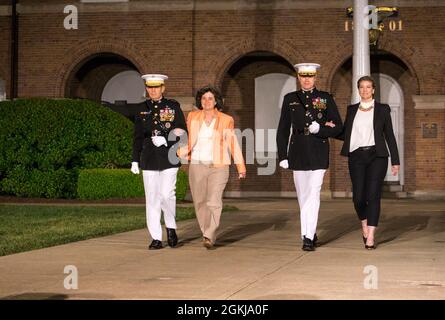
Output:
x,y
29,227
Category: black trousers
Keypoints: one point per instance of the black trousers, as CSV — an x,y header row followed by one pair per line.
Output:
x,y
367,174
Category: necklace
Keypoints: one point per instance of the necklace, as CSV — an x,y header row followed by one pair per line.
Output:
x,y
365,109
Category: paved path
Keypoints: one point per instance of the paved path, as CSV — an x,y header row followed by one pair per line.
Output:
x,y
258,256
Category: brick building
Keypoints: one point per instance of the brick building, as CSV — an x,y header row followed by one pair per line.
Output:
x,y
247,48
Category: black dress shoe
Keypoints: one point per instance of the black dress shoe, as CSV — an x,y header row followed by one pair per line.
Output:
x,y
364,239
308,244
315,241
155,245
172,238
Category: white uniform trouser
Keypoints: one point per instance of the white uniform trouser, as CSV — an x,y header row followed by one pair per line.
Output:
x,y
308,185
160,194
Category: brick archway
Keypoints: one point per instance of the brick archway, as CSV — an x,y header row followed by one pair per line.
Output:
x,y
235,50
405,54
402,52
235,72
82,52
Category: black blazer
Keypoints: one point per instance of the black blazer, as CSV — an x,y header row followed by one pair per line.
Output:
x,y
382,132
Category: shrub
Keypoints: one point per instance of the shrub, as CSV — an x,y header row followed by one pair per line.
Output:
x,y
44,143
119,183
182,184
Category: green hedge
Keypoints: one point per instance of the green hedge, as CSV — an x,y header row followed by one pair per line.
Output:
x,y
94,184
44,143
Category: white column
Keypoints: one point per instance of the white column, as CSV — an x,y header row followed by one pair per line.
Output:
x,y
360,59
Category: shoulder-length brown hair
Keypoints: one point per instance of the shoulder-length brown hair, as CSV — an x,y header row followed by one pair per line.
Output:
x,y
366,78
216,93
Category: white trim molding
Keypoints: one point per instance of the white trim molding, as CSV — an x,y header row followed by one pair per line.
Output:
x,y
428,194
429,102
341,194
324,195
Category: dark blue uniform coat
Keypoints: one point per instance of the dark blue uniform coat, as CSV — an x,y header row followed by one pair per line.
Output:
x,y
158,118
306,151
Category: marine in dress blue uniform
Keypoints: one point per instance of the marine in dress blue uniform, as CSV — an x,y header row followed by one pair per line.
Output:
x,y
304,115
157,130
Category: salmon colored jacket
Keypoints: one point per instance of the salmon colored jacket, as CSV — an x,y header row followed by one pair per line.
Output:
x,y
225,143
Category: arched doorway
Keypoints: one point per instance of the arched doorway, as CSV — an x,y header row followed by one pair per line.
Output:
x,y
98,75
395,86
270,90
253,87
124,86
389,91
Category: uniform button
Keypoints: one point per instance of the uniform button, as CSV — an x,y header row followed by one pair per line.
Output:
x,y
156,114
156,107
307,105
307,97
307,124
156,122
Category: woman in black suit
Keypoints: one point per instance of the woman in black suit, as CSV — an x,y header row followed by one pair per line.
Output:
x,y
367,127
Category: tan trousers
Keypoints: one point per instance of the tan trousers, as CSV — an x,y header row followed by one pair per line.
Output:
x,y
207,185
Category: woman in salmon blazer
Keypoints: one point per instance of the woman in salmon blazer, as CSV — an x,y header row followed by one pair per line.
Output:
x,y
211,145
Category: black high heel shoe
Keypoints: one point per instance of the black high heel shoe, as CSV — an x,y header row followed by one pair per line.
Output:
x,y
371,247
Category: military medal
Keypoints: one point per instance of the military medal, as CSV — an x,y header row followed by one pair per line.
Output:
x,y
167,114
319,104
320,115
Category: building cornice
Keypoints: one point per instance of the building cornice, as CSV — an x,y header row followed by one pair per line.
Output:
x,y
202,5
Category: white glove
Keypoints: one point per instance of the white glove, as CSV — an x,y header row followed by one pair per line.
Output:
x,y
135,167
314,127
159,141
284,164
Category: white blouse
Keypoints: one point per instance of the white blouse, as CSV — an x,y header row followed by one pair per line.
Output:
x,y
362,134
203,149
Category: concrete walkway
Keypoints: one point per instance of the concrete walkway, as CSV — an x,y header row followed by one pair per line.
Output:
x,y
258,256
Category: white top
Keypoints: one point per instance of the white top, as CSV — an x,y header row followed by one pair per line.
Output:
x,y
203,149
362,134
